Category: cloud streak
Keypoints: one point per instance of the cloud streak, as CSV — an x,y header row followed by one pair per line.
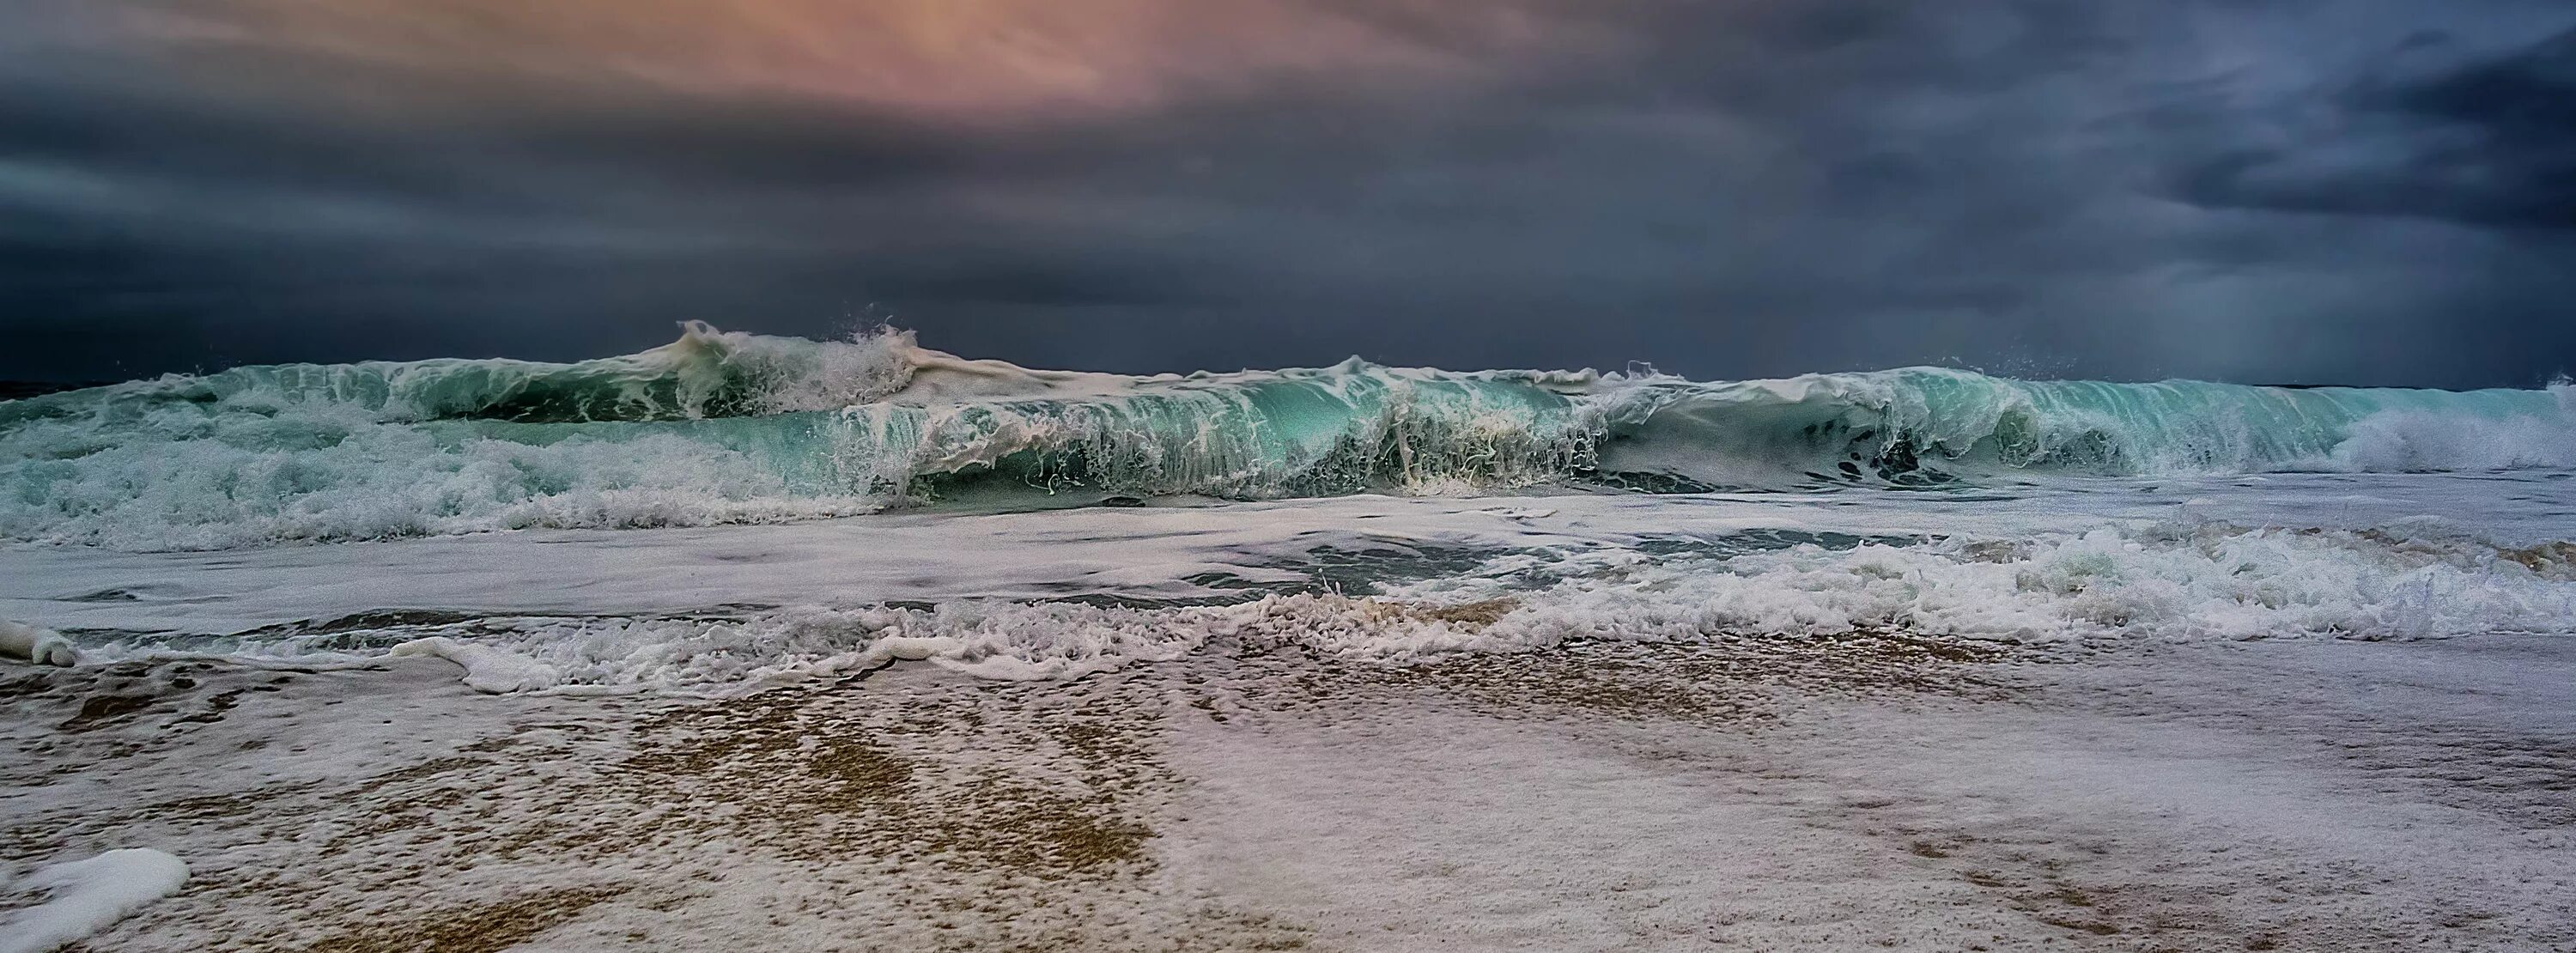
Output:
x,y
959,59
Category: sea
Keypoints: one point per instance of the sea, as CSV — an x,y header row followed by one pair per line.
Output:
x,y
733,510
754,642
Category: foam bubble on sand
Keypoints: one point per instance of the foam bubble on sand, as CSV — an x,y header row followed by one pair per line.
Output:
x,y
486,669
85,896
40,646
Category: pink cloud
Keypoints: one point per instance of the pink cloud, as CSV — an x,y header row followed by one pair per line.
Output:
x,y
964,58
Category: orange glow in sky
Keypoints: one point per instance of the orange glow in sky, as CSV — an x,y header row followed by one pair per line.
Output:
x,y
959,57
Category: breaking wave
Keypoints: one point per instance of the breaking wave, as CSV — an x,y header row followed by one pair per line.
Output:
x,y
728,427
1922,426
2072,589
706,373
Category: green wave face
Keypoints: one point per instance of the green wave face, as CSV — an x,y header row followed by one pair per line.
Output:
x,y
706,373
722,427
1294,433
1919,426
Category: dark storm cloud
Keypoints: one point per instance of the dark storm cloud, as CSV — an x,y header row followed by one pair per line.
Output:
x,y
2100,188
2486,142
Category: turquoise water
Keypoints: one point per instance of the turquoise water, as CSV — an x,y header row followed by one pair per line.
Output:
x,y
725,427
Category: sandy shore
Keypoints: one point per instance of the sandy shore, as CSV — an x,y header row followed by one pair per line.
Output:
x,y
1868,792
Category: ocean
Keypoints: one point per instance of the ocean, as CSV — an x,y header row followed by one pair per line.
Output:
x,y
1166,617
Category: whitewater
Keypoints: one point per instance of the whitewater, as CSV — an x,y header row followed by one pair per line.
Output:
x,y
855,644
1651,508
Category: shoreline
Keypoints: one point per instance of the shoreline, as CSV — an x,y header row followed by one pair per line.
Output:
x,y
1884,790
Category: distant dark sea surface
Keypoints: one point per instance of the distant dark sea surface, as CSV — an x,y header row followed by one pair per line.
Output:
x,y
17,390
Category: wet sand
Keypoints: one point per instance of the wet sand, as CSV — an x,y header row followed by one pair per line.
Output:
x,y
1874,791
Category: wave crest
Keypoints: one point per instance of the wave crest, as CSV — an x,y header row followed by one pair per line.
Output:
x,y
722,427
706,373
1921,426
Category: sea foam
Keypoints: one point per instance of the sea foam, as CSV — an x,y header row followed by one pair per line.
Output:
x,y
2074,589
86,896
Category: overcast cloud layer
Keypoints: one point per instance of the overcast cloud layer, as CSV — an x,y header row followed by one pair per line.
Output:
x,y
2366,191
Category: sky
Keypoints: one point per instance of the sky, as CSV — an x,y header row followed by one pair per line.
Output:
x,y
2293,191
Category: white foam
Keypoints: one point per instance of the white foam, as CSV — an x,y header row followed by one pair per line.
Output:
x,y
2301,555
2210,582
86,896
41,646
487,669
2161,582
2417,442
793,374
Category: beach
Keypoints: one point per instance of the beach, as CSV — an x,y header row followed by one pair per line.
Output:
x,y
1869,791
